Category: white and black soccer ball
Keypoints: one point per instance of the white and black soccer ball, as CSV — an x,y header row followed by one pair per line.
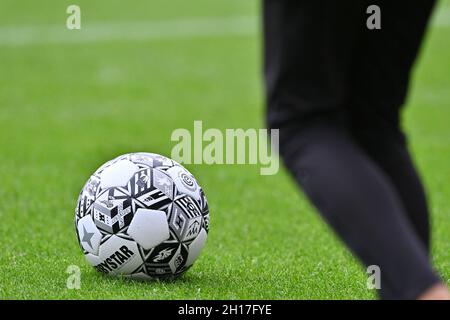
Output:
x,y
143,216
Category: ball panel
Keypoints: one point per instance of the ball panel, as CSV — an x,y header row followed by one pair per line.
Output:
x,y
206,222
152,160
149,228
162,253
89,236
163,182
92,259
117,174
87,196
118,256
184,182
159,271
112,210
178,261
196,246
185,218
193,229
109,163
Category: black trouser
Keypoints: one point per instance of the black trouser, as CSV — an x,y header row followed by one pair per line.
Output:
x,y
334,89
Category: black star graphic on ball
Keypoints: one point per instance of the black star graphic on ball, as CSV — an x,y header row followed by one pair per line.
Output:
x,y
87,236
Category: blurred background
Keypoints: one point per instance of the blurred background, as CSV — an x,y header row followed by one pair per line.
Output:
x,y
73,99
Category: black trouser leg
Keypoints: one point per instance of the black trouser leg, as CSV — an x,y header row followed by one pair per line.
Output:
x,y
361,204
310,52
394,159
379,85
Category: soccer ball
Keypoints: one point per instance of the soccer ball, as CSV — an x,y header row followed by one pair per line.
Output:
x,y
142,215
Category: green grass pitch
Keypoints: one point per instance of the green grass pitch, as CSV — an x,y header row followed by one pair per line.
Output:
x,y
70,100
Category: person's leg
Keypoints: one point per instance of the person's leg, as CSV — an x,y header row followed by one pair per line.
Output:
x,y
309,46
361,204
394,159
380,81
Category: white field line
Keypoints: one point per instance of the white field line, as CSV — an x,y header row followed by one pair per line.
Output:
x,y
129,31
150,30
